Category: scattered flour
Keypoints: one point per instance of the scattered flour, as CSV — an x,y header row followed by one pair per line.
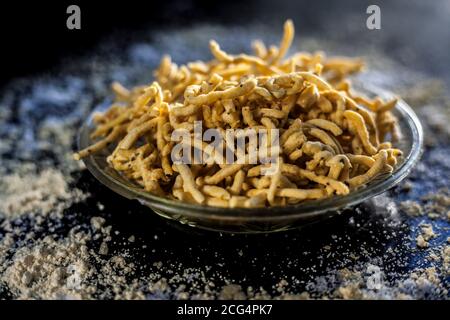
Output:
x,y
44,192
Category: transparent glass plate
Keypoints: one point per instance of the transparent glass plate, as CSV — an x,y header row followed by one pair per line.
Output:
x,y
267,219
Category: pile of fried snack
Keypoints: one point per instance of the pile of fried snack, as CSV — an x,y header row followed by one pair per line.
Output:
x,y
331,139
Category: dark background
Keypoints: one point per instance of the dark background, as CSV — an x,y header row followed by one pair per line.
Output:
x,y
35,38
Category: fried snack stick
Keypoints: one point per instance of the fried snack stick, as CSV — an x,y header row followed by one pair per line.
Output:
x,y
223,173
149,178
222,56
377,167
393,155
134,134
259,48
340,166
386,122
357,122
294,142
298,194
216,192
318,158
325,138
286,41
340,67
361,159
106,127
191,97
296,125
369,120
209,201
239,179
122,93
274,182
301,194
326,125
339,187
188,182
99,145
309,96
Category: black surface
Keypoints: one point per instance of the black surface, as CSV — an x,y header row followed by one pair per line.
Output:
x,y
414,33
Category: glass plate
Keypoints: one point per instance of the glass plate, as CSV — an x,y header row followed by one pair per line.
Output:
x,y
267,219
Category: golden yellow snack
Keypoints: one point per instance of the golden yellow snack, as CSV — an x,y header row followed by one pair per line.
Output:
x,y
304,133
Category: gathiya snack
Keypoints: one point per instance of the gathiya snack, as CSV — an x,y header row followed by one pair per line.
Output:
x,y
321,137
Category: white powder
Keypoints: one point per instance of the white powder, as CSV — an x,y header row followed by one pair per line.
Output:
x,y
44,192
